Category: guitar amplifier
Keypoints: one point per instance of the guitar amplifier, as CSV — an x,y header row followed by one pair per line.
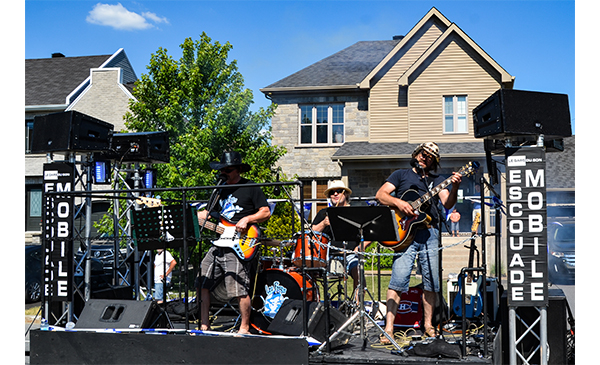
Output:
x,y
471,289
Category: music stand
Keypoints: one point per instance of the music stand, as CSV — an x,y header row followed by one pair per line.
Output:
x,y
359,224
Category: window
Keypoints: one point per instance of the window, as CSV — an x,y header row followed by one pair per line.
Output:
x,y
315,189
28,135
321,124
455,114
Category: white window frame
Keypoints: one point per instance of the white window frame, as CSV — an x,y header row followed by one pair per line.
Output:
x,y
330,125
455,114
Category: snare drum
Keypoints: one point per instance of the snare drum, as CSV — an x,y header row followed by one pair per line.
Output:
x,y
316,249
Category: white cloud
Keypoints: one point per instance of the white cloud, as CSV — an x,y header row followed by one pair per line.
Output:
x,y
118,17
155,18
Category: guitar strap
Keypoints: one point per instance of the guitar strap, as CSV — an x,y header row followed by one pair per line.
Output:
x,y
212,202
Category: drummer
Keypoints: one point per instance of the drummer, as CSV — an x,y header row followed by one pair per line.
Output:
x,y
339,196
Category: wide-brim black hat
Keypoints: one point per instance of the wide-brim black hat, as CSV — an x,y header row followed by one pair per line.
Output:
x,y
230,159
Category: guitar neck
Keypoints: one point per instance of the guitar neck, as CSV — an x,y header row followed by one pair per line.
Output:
x,y
211,226
430,194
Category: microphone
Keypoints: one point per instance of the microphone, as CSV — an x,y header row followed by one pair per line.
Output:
x,y
221,179
277,188
414,163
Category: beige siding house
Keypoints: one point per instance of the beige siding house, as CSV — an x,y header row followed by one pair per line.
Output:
x,y
357,115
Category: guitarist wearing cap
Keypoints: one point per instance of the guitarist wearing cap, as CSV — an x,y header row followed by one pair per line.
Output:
x,y
424,236
241,209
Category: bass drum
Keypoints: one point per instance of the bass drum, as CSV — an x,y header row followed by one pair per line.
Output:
x,y
273,286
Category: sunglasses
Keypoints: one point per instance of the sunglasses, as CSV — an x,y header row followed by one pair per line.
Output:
x,y
228,169
427,155
338,191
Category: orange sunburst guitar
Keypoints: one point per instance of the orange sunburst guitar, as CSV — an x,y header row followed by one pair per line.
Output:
x,y
244,244
408,226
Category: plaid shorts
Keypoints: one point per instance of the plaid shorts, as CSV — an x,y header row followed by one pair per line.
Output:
x,y
222,264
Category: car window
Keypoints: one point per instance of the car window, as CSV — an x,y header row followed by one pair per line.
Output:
x,y
565,233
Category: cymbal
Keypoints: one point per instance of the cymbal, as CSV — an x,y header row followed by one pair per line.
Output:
x,y
276,243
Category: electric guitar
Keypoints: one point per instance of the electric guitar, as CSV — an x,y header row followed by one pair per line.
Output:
x,y
244,244
407,226
473,302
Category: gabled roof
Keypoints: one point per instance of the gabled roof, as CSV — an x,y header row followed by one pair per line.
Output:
x,y
344,69
432,14
356,66
506,78
58,80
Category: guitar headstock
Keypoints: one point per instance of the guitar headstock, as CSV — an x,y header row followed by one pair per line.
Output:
x,y
149,202
476,222
469,169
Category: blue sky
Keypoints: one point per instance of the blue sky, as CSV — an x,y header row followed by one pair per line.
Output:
x,y
533,40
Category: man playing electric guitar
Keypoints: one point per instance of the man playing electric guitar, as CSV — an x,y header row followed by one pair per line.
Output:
x,y
423,234
244,208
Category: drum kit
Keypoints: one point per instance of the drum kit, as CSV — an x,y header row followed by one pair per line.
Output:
x,y
280,277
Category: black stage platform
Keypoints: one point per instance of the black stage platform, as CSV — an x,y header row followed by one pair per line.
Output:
x,y
178,345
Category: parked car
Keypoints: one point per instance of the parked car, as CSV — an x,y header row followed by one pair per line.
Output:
x,y
561,251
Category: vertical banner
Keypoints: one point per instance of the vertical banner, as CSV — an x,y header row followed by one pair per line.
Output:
x,y
58,231
527,242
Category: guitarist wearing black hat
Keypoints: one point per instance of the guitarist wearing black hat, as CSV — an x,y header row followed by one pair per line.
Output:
x,y
420,237
239,209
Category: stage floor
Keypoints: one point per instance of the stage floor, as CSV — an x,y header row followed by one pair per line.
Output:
x,y
220,346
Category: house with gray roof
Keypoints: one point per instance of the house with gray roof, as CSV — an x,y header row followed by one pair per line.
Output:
x,y
99,86
358,114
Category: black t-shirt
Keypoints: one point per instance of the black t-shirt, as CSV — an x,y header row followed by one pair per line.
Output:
x,y
406,179
238,202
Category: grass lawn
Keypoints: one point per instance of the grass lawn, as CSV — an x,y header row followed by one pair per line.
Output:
x,y
372,285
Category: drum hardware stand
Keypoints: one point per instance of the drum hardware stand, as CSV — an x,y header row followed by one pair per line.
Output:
x,y
350,224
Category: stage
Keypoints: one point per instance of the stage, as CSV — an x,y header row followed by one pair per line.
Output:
x,y
178,345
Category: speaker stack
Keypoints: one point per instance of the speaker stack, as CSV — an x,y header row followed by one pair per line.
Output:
x,y
148,147
520,116
70,131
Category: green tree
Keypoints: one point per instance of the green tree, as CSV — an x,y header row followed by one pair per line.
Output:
x,y
200,100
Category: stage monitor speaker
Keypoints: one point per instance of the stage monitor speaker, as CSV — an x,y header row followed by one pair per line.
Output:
x,y
557,329
70,131
119,314
510,112
149,147
317,325
288,321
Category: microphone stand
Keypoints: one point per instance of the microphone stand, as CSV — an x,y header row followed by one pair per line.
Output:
x,y
421,171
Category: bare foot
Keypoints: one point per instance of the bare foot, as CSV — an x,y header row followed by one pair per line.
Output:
x,y
204,327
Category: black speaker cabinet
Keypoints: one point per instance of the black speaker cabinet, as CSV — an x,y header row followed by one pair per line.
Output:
x,y
119,314
149,147
288,321
510,112
317,325
70,131
556,324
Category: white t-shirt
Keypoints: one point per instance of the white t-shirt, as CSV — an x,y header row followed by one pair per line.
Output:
x,y
158,266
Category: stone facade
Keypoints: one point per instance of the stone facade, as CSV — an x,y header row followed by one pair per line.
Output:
x,y
312,162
